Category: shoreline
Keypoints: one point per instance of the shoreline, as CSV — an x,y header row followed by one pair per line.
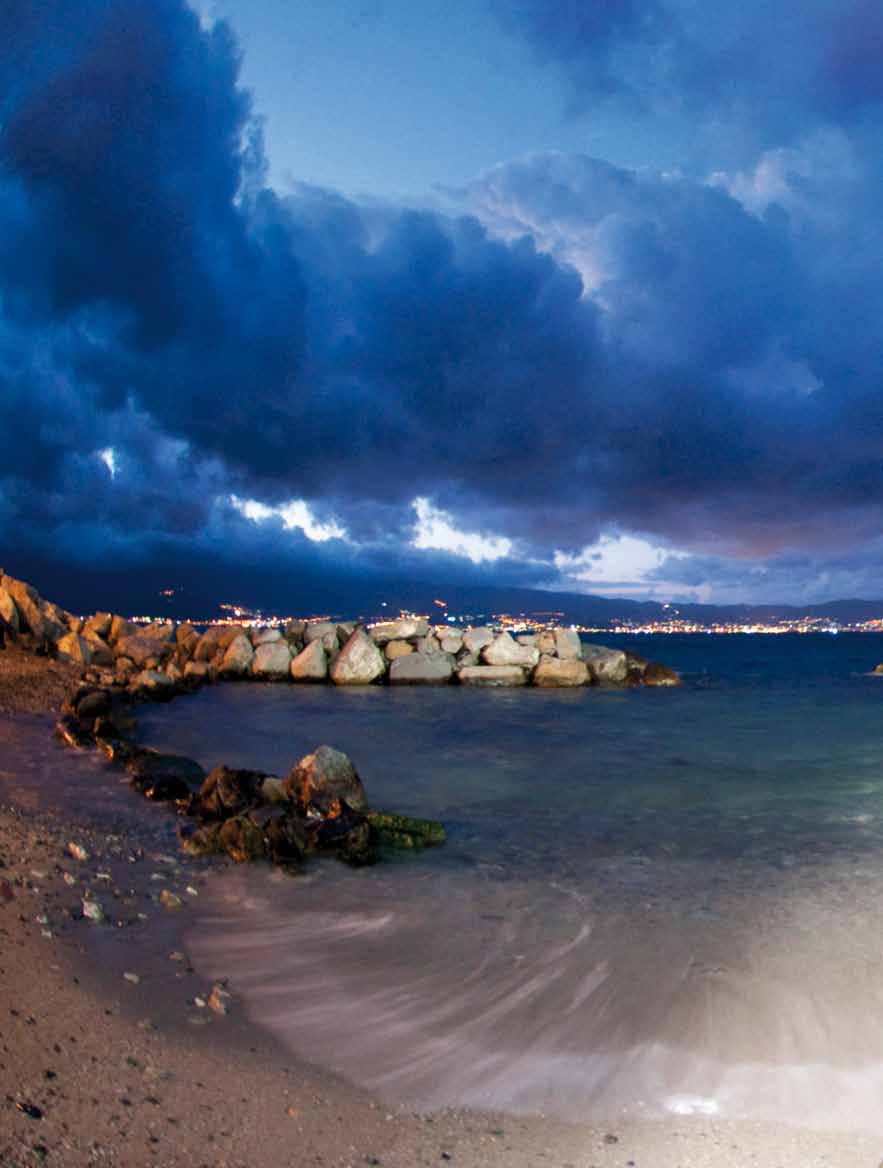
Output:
x,y
120,1074
113,1066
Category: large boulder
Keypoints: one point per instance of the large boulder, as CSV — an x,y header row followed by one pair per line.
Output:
x,y
164,776
475,639
227,791
421,669
311,664
546,643
359,662
322,778
568,646
272,661
264,636
451,641
555,673
492,675
142,649
323,631
504,651
238,657
607,666
209,644
35,615
101,652
398,630
98,625
73,647
119,628
394,649
159,630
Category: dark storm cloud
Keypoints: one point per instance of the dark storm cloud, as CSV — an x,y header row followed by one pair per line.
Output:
x,y
573,348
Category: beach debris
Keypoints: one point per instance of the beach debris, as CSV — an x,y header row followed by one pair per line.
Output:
x,y
78,851
93,910
170,900
134,978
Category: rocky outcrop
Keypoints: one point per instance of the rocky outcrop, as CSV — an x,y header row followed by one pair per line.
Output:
x,y
156,660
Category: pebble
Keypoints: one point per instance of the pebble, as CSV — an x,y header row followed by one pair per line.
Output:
x,y
77,851
169,899
93,911
219,999
68,879
134,978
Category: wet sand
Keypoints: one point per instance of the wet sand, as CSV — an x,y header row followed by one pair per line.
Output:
x,y
99,1068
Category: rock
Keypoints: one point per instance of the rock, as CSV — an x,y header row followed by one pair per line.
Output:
x,y
475,640
198,670
323,631
545,642
8,611
119,628
311,664
286,835
151,681
70,731
272,661
143,650
272,790
568,645
405,831
95,704
35,616
200,841
322,778
93,910
209,643
124,668
607,666
398,630
345,630
159,631
98,626
227,791
504,651
294,630
451,643
242,839
100,652
164,777
396,649
78,852
429,644
170,900
219,1000
359,662
346,832
660,675
264,636
492,675
422,669
74,648
238,657
552,673
527,639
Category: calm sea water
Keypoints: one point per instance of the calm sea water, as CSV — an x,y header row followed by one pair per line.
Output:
x,y
651,901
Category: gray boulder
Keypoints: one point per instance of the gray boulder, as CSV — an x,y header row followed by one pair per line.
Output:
x,y
264,636
504,651
311,664
238,657
143,649
476,639
394,649
322,777
607,666
422,669
272,661
568,646
398,630
359,662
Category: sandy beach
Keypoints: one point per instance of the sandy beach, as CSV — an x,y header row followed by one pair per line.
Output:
x,y
108,1057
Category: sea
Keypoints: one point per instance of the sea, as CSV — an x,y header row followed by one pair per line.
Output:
x,y
650,902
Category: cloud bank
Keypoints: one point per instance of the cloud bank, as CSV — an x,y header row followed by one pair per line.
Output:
x,y
202,377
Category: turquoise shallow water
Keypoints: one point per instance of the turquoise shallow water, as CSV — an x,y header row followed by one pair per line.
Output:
x,y
650,901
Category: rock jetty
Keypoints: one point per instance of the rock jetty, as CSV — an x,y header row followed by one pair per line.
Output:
x,y
160,659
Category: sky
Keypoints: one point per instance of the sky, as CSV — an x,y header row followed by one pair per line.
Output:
x,y
556,294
